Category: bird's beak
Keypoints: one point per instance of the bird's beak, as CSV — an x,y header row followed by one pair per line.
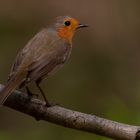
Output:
x,y
81,26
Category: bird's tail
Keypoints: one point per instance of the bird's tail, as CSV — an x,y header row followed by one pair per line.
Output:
x,y
12,84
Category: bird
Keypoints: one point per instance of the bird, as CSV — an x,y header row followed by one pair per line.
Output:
x,y
42,57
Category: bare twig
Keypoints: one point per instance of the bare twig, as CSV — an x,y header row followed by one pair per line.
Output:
x,y
72,119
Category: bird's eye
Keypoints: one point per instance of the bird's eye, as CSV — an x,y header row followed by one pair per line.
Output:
x,y
67,23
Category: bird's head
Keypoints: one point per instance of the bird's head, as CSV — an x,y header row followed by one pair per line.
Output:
x,y
66,27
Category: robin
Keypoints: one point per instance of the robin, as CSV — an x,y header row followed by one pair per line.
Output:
x,y
43,55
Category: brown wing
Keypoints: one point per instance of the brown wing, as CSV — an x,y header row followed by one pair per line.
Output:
x,y
53,59
32,51
15,65
41,55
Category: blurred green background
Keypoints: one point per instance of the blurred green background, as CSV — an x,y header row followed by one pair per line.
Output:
x,y
102,76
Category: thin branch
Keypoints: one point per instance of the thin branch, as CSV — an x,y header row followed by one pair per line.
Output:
x,y
72,119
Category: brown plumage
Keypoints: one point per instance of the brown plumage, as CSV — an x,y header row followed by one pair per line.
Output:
x,y
44,54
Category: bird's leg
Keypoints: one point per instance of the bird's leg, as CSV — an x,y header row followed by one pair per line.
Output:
x,y
38,85
30,93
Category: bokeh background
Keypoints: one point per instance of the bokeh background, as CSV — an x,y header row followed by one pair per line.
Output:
x,y
102,76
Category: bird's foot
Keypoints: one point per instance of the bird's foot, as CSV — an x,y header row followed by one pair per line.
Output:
x,y
33,95
51,104
47,105
30,94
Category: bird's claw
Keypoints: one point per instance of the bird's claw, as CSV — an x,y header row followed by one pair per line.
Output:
x,y
51,104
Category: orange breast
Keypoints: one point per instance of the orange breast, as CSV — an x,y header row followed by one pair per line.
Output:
x,y
66,34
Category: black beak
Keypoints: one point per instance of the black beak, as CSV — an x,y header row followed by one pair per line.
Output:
x,y
81,26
